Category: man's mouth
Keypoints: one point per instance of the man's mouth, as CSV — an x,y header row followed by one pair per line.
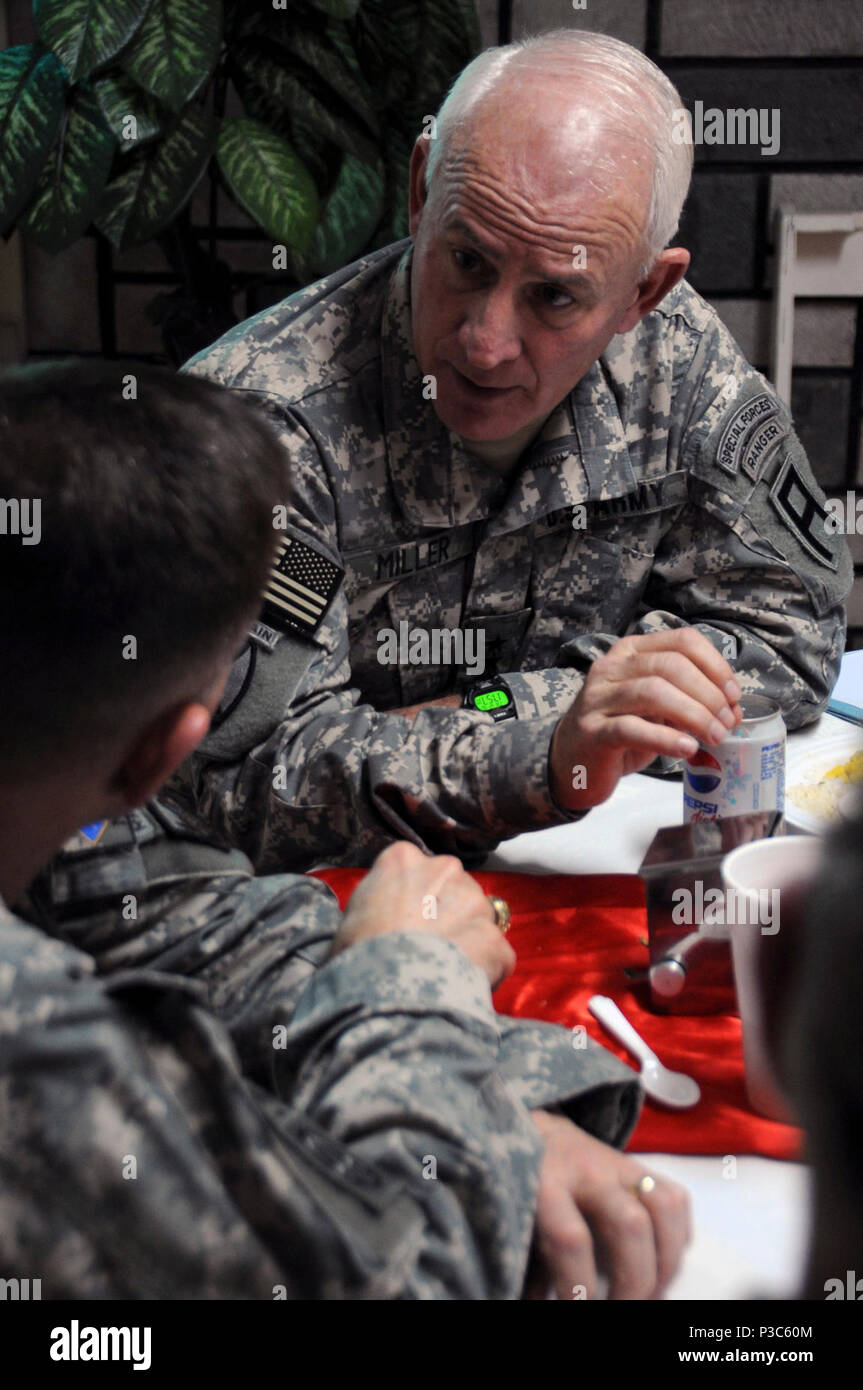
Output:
x,y
488,393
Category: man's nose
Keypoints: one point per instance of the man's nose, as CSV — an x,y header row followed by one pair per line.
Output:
x,y
489,333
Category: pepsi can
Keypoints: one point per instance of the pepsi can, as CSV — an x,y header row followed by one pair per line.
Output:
x,y
745,773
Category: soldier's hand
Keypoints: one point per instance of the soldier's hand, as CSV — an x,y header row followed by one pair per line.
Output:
x,y
590,1220
410,891
650,695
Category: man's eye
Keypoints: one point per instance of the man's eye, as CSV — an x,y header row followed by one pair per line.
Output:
x,y
467,261
553,297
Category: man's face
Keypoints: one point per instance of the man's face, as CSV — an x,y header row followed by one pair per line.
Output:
x,y
524,265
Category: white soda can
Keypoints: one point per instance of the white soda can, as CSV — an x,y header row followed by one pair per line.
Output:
x,y
746,772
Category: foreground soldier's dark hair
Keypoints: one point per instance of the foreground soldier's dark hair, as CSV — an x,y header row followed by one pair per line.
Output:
x,y
156,525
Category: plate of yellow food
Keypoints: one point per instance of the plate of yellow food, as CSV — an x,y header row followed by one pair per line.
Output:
x,y
820,783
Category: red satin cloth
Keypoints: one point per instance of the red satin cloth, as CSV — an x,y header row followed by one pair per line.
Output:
x,y
573,937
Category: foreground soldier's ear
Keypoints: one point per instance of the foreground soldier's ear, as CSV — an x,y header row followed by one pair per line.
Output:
x,y
669,267
157,752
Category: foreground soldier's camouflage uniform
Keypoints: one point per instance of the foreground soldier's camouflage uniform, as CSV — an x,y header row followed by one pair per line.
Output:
x,y
667,489
152,895
135,1161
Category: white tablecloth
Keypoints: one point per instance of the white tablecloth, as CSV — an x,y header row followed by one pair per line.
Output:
x,y
750,1217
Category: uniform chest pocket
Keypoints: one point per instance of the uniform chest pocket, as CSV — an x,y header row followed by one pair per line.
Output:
x,y
399,654
432,647
595,585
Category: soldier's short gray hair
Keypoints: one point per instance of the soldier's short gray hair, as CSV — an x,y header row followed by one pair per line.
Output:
x,y
637,97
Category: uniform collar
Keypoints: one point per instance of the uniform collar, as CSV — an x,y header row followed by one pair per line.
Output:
x,y
580,454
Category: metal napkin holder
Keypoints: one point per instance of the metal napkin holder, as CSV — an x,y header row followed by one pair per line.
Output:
x,y
690,961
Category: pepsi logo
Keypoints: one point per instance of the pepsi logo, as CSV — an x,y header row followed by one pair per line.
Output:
x,y
703,772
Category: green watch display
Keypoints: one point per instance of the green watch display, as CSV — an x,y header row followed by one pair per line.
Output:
x,y
492,697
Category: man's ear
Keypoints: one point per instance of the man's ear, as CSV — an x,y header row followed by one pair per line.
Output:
x,y
157,752
670,266
417,189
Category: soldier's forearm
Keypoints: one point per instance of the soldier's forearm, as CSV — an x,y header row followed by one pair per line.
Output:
x,y
547,1066
451,1131
341,781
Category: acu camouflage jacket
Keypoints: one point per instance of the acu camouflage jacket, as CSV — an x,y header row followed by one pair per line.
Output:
x,y
668,488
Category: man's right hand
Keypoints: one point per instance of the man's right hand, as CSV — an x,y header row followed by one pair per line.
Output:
x,y
410,891
654,694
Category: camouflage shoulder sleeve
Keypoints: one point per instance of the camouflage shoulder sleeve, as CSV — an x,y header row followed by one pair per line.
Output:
x,y
334,780
749,557
750,560
137,1162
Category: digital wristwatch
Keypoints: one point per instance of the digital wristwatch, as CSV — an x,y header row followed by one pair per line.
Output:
x,y
492,697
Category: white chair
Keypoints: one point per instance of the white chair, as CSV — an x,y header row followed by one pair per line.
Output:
x,y
818,254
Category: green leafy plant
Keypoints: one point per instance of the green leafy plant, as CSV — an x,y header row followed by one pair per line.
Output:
x,y
305,111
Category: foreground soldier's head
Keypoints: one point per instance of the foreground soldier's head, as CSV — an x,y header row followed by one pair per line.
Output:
x,y
539,212
136,528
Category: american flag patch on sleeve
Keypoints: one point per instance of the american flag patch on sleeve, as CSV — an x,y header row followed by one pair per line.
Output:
x,y
301,587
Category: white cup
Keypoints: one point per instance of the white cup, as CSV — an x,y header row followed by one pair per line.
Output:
x,y
759,872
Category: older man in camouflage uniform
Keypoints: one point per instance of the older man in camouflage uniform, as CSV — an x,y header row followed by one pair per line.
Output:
x,y
521,426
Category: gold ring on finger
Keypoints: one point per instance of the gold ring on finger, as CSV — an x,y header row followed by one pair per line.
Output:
x,y
502,914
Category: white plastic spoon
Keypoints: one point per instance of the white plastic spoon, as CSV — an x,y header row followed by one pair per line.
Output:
x,y
668,1087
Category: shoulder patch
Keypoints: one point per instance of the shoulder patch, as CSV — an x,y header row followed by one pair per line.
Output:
x,y
759,446
101,836
302,585
802,513
93,831
737,444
